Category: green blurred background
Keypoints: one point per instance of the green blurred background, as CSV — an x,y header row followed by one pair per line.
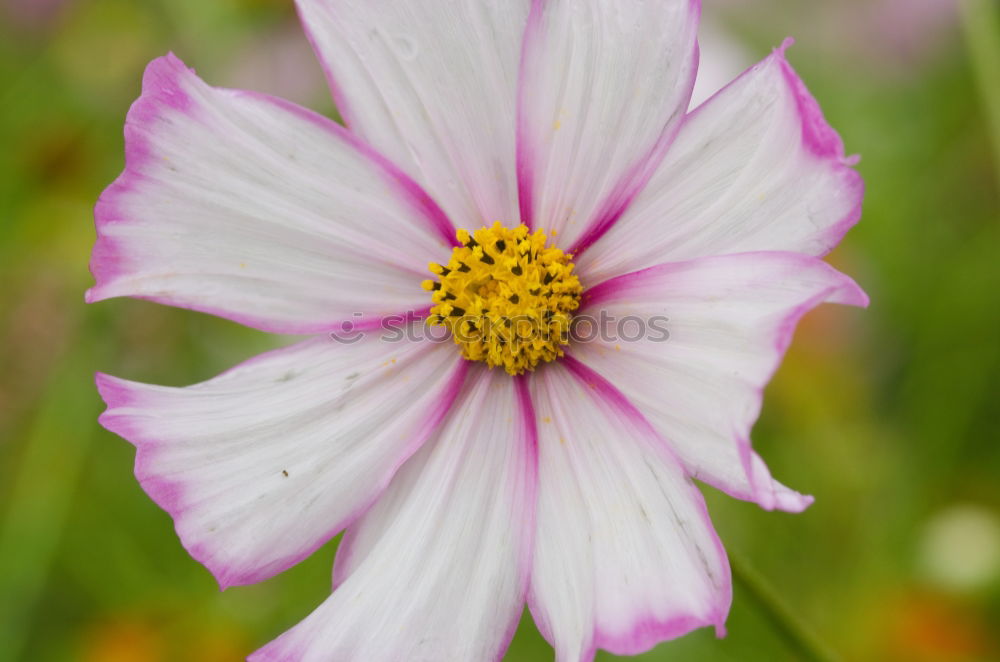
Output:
x,y
890,417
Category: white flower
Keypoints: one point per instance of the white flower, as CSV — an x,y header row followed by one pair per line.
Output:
x,y
466,491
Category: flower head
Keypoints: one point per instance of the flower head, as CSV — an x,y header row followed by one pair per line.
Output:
x,y
517,463
506,297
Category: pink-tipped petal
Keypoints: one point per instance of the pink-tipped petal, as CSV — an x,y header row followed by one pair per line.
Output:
x,y
360,539
266,462
432,85
754,168
437,570
625,553
603,88
257,210
713,331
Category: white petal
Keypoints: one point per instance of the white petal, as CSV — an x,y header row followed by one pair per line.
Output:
x,y
604,85
713,332
257,210
432,85
756,167
263,464
625,554
438,569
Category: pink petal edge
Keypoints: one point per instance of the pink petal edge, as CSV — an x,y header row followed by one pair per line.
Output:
x,y
631,184
824,141
169,495
848,292
336,91
528,418
843,290
161,88
524,157
818,136
527,412
648,631
422,203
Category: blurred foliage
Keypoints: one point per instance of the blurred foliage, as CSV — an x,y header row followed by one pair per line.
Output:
x,y
890,416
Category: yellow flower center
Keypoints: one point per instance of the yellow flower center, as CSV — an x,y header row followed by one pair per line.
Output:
x,y
506,298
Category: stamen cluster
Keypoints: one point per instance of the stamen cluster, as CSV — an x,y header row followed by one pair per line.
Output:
x,y
506,298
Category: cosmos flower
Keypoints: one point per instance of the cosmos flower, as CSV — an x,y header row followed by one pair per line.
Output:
x,y
540,156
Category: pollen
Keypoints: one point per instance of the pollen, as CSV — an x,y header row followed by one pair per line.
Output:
x,y
507,298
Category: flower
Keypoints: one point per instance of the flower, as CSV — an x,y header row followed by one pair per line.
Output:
x,y
557,132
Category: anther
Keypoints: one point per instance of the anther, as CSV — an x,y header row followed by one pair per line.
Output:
x,y
490,290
